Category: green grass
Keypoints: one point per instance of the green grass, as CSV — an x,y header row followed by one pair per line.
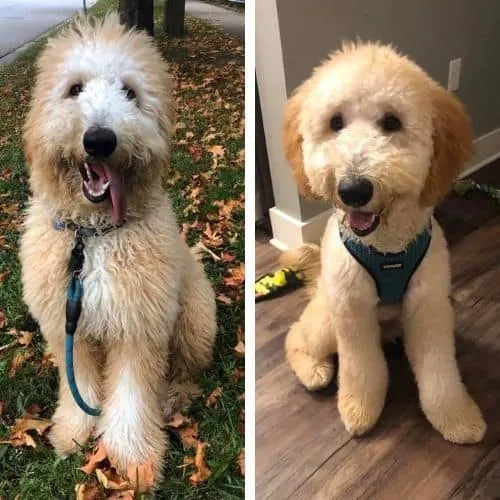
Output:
x,y
211,64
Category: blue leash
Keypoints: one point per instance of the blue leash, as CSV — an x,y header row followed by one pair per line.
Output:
x,y
73,310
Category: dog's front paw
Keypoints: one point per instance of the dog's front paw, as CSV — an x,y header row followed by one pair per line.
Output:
x,y
69,432
460,423
138,461
312,373
358,419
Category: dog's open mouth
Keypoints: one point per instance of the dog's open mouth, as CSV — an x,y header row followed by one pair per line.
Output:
x,y
362,223
102,182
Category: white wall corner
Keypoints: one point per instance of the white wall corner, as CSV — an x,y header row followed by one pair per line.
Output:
x,y
487,150
289,232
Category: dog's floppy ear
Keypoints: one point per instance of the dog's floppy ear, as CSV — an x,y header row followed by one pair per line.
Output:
x,y
453,145
293,141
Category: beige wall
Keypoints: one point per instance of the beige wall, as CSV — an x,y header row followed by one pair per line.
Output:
x,y
432,32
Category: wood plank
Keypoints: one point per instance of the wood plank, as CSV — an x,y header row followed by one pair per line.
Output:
x,y
484,480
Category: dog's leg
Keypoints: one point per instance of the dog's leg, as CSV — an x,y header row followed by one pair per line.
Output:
x,y
429,342
192,342
310,342
363,374
131,416
72,426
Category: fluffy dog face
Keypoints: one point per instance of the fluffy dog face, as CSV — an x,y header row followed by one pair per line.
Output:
x,y
98,131
369,128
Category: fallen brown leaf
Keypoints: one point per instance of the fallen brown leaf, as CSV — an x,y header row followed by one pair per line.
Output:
x,y
202,472
226,257
189,435
217,150
224,299
2,404
241,462
178,420
86,491
19,435
24,338
142,478
239,349
237,373
4,275
111,480
236,276
3,319
97,456
17,361
211,401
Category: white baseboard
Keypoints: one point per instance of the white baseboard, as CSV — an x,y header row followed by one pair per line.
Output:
x,y
487,150
290,232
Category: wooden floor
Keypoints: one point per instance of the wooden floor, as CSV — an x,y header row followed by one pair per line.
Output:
x,y
303,450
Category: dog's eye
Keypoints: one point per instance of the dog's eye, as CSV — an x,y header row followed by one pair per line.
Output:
x,y
391,123
76,89
337,122
129,93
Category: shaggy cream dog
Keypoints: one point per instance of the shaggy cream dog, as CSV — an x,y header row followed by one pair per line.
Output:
x,y
97,143
370,132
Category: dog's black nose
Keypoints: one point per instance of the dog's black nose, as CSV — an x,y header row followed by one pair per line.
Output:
x,y
99,142
355,192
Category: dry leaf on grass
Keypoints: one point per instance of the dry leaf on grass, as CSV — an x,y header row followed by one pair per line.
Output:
x,y
97,456
3,319
186,429
217,150
199,248
211,401
241,462
4,275
142,478
178,420
48,363
17,361
189,435
239,349
236,276
1,407
202,472
23,338
111,480
86,491
19,435
237,373
224,299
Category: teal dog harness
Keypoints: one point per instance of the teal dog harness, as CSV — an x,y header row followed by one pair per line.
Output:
x,y
391,272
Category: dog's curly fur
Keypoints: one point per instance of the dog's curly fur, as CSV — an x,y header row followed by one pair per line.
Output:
x,y
411,169
148,320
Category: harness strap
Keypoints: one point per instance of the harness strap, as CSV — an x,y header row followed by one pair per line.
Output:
x,y
391,272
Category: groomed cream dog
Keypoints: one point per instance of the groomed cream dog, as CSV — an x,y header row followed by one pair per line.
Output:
x,y
97,143
370,132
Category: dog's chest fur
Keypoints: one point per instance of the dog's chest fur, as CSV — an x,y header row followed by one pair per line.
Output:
x,y
131,280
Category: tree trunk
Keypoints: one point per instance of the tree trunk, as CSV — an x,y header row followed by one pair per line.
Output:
x,y
128,12
174,13
145,16
138,13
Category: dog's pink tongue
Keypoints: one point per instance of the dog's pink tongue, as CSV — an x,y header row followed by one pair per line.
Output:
x,y
117,191
361,220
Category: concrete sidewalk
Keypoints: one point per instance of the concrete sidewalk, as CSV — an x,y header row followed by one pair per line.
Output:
x,y
230,21
22,21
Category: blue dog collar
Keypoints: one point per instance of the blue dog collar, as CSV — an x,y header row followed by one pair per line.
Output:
x,y
391,272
